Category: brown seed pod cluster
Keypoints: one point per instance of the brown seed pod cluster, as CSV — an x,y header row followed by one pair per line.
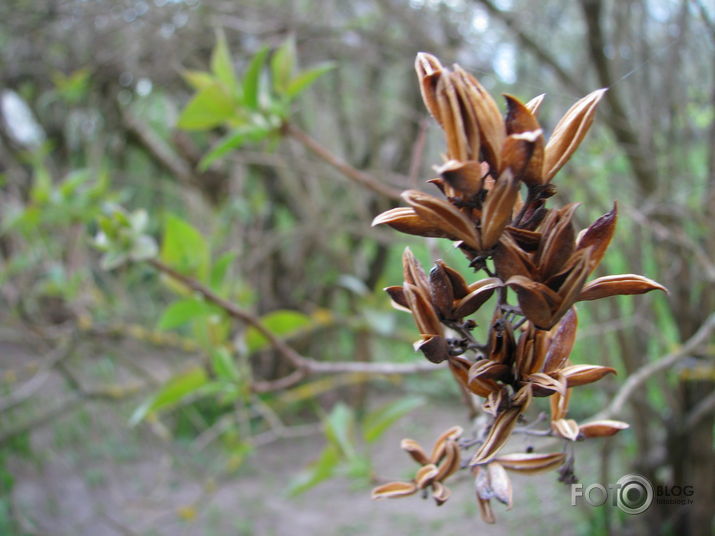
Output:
x,y
495,181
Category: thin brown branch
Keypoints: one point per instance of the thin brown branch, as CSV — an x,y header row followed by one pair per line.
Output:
x,y
348,171
644,170
532,45
286,351
640,376
303,364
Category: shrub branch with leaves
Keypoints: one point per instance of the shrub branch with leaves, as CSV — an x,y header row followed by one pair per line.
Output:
x,y
521,245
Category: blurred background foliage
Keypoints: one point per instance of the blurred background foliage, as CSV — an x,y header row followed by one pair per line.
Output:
x,y
215,135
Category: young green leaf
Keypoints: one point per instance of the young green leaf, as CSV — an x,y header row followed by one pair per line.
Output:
x,y
321,469
305,79
281,323
378,421
282,66
224,364
252,79
198,79
233,140
171,393
210,107
222,64
184,248
340,428
219,270
181,312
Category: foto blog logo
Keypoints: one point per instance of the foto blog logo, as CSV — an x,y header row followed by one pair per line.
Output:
x,y
632,494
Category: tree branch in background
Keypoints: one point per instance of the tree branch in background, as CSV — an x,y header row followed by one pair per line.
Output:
x,y
157,147
350,172
533,46
640,376
643,168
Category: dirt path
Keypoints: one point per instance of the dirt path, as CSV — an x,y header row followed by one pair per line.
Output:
x,y
90,474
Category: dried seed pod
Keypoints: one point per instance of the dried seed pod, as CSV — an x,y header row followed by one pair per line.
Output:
x,y
465,178
397,296
479,293
561,341
557,244
602,428
441,292
537,301
406,220
519,154
598,236
498,209
422,311
412,271
394,490
510,260
440,493
450,464
583,374
434,347
559,405
566,428
498,434
451,434
569,132
443,215
425,475
500,483
491,126
459,285
415,450
429,71
451,115
618,285
534,104
531,462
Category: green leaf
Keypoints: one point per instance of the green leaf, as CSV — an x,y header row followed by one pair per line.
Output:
x,y
222,64
183,247
378,421
210,107
359,467
220,269
281,323
282,66
181,312
305,79
318,471
224,365
252,79
340,427
198,79
41,190
171,393
233,140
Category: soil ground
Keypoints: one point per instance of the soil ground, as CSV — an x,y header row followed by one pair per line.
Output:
x,y
89,473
